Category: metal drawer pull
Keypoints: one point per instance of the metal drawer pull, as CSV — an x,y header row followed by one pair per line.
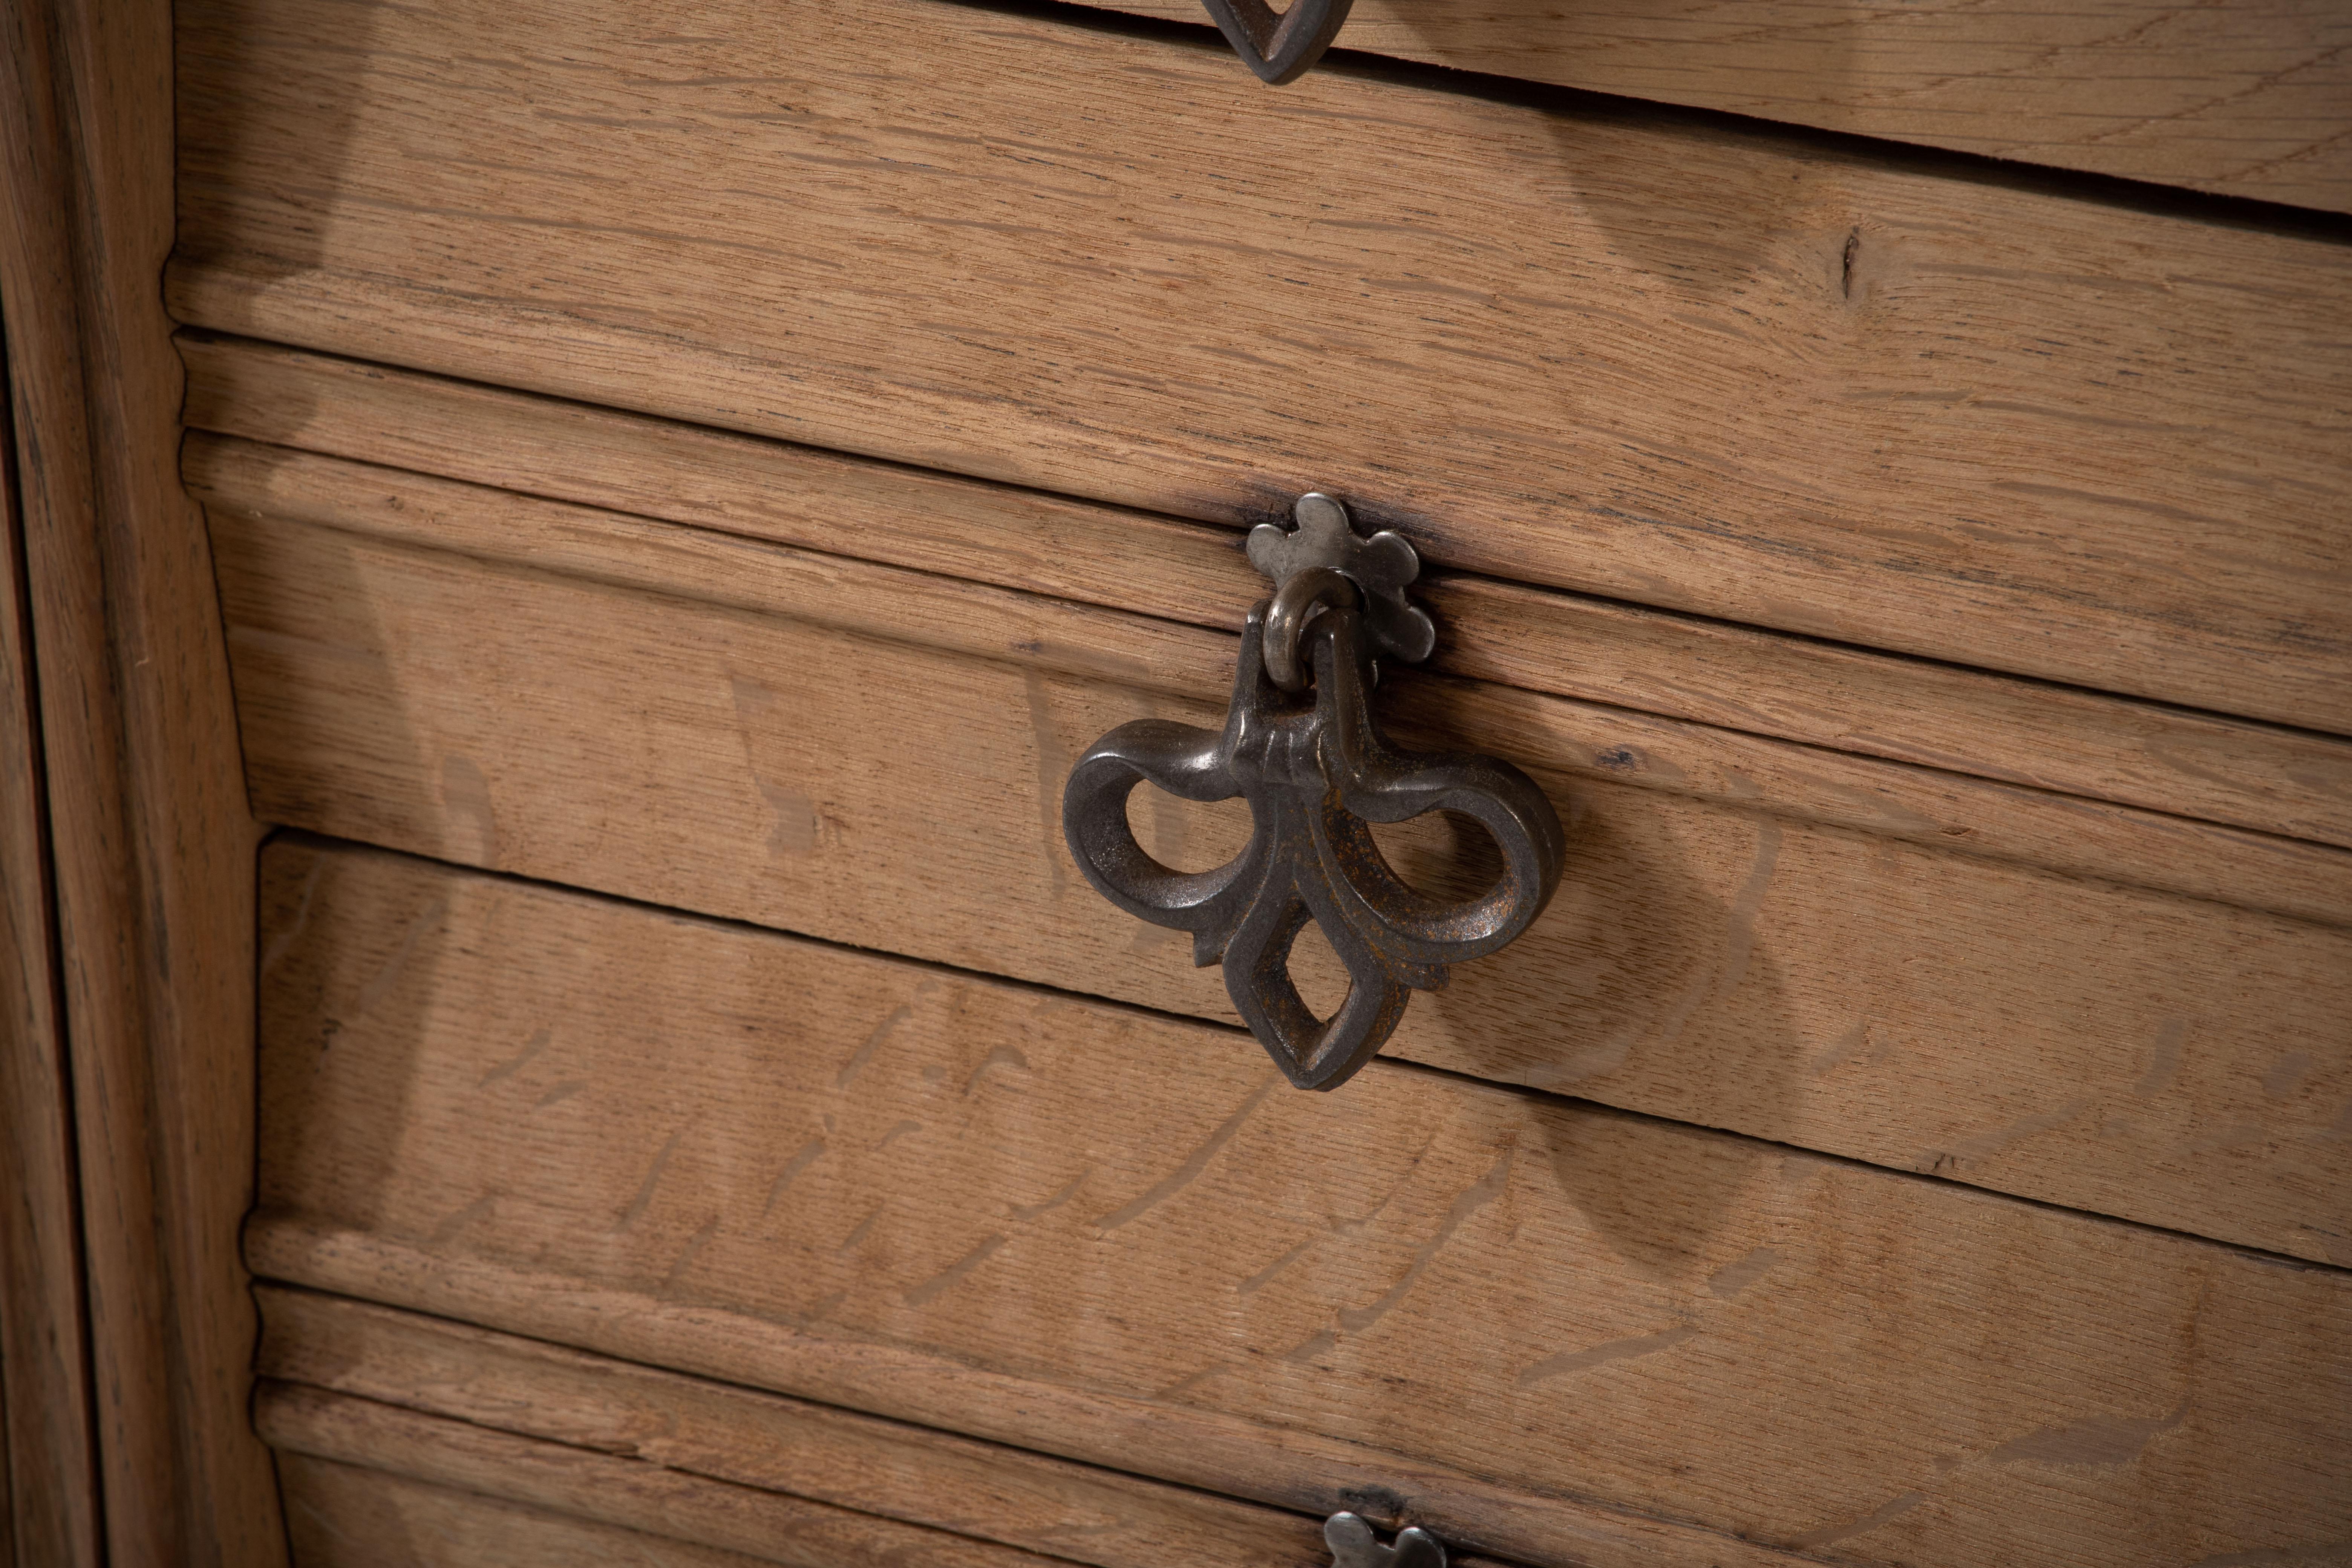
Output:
x,y
1279,45
1353,1546
1315,770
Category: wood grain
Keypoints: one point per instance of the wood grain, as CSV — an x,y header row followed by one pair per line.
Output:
x,y
346,1516
1705,370
684,726
608,1488
48,1495
1300,1470
2252,98
1070,1512
1078,1512
152,846
244,481
703,1146
2249,775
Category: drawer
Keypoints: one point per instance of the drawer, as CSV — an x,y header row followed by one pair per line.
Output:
x,y
348,1516
980,1159
376,1486
1113,1236
443,1403
1721,371
2020,989
682,502
2244,98
2280,782
554,1018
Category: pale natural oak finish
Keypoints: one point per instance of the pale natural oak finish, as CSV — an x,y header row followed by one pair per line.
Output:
x,y
244,481
703,1146
2252,98
1080,1513
347,1516
1283,1466
1075,1512
607,1488
152,848
2251,776
247,484
1742,940
1710,371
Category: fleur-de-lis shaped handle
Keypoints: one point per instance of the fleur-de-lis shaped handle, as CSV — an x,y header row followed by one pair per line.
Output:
x,y
1315,770
1353,1546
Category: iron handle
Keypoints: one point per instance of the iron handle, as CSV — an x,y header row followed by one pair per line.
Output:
x,y
1316,770
1279,46
1353,1546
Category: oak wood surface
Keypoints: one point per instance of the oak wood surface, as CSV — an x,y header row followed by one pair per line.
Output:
x,y
1742,941
1282,1465
348,1516
761,1159
1707,370
243,482
2252,98
48,1499
608,1488
152,846
1073,1512
2251,776
1076,1513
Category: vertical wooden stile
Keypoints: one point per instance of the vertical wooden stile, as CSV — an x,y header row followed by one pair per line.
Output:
x,y
151,843
47,1496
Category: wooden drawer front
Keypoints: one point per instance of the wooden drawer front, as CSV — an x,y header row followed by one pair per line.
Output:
x,y
465,1446
2251,97
1112,1236
1748,377
2261,776
362,1516
708,1119
831,1484
1752,935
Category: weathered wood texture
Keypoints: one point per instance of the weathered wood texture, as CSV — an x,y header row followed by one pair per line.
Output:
x,y
48,1499
757,1157
1933,807
2251,98
1078,1513
1705,370
608,1487
689,1425
246,483
1744,940
1288,1467
347,1516
152,849
2251,776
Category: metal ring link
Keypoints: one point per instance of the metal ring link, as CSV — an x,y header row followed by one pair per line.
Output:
x,y
1295,603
